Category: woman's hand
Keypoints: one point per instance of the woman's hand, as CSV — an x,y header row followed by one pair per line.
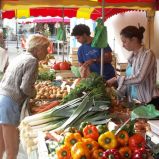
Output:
x,y
111,82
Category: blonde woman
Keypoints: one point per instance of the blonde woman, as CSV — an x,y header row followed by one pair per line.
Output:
x,y
17,84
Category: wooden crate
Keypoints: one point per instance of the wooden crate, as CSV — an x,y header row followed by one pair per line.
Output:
x,y
65,73
114,61
73,58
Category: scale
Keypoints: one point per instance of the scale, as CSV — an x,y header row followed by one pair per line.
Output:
x,y
152,137
152,141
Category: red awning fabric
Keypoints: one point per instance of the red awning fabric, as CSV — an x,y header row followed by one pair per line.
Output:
x,y
127,1
108,12
67,12
53,12
8,14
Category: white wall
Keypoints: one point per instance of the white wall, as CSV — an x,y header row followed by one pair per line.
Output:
x,y
117,22
156,40
114,26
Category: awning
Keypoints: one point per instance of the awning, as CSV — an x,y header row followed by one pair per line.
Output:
x,y
126,1
26,4
87,13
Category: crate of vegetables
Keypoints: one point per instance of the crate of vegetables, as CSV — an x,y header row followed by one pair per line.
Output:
x,y
47,91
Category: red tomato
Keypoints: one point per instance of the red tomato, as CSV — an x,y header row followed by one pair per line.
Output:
x,y
56,66
64,66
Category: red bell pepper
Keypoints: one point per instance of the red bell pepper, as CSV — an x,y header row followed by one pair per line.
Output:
x,y
140,154
136,141
111,154
90,131
125,152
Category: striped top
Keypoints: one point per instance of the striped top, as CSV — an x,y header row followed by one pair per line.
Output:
x,y
144,67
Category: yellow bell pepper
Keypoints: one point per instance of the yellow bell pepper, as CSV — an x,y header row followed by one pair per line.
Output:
x,y
80,151
107,140
72,138
91,144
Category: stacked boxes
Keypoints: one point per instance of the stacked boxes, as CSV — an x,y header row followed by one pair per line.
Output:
x,y
73,58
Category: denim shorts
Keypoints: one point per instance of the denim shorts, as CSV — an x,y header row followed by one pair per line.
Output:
x,y
9,111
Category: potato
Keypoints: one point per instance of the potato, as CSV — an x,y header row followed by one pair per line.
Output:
x,y
59,96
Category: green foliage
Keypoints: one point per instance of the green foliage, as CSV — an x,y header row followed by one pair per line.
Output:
x,y
46,75
94,84
75,71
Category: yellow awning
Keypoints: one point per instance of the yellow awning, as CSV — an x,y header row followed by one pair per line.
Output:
x,y
84,13
23,13
26,4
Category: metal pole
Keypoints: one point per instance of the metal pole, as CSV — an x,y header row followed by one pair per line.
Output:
x,y
102,50
1,23
16,29
63,30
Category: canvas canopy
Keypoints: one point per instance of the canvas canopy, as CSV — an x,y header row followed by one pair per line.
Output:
x,y
88,9
87,13
24,4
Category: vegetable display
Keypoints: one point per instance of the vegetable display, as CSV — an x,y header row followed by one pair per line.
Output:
x,y
106,147
93,83
78,125
59,118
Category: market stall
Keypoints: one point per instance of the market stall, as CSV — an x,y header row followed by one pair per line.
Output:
x,y
86,115
71,108
69,105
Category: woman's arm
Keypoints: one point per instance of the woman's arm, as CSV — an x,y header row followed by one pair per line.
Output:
x,y
143,72
29,78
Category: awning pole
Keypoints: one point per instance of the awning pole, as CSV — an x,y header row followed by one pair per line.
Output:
x,y
1,23
102,50
63,39
16,29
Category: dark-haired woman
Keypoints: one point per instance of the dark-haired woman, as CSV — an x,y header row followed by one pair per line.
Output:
x,y
140,80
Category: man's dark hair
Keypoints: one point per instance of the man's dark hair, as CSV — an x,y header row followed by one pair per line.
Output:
x,y
80,29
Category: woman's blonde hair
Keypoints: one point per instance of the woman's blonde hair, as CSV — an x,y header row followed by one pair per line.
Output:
x,y
36,42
